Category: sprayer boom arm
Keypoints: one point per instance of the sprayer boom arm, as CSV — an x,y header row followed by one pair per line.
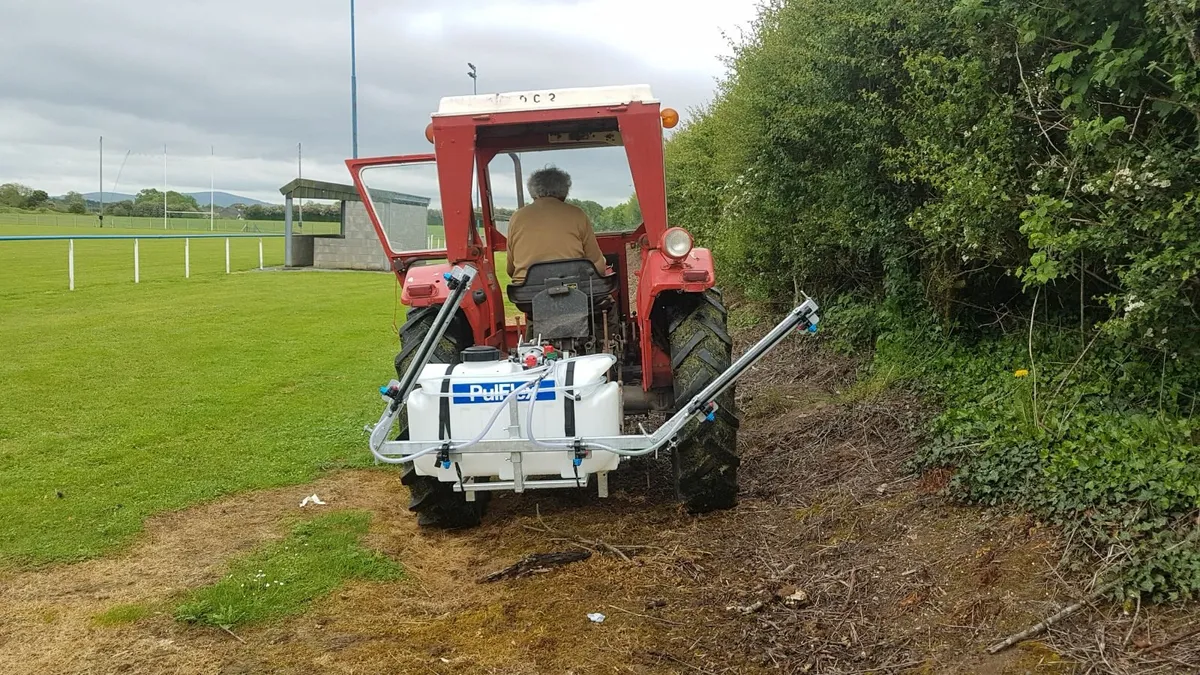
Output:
x,y
674,430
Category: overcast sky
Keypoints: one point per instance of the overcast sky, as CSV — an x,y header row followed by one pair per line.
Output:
x,y
252,78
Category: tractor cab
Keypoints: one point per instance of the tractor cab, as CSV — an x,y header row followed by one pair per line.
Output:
x,y
474,179
650,331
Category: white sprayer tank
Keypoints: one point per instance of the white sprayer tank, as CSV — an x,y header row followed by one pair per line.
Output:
x,y
476,389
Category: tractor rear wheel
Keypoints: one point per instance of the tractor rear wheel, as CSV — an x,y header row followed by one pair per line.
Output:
x,y
705,464
435,503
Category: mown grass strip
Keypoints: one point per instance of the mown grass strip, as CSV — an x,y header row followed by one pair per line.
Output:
x,y
120,615
284,578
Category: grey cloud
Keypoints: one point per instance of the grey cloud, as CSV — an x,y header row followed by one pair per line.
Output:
x,y
255,78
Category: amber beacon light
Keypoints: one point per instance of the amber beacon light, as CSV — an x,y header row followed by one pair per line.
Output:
x,y
669,118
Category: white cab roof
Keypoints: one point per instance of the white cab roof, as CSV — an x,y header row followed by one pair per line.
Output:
x,y
545,99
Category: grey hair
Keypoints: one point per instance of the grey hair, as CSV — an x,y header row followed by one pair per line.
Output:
x,y
549,182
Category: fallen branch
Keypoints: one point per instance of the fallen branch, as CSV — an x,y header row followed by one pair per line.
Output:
x,y
1192,537
536,563
1041,626
595,544
1178,638
589,544
748,609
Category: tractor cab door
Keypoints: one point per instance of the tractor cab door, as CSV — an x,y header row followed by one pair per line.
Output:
x,y
403,197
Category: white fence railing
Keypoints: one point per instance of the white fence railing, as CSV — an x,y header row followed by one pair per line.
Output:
x,y
137,260
173,223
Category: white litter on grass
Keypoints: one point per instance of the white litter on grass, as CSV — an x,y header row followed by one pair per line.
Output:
x,y
596,617
311,499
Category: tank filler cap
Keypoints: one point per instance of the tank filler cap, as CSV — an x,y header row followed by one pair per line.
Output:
x,y
480,354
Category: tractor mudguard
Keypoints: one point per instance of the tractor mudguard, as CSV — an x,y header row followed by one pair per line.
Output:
x,y
425,286
659,273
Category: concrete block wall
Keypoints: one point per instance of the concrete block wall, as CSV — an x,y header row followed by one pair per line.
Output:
x,y
302,250
358,248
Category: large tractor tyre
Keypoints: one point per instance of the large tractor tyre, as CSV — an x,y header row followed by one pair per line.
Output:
x,y
705,464
436,504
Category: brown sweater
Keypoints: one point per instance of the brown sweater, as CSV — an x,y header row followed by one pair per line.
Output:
x,y
548,229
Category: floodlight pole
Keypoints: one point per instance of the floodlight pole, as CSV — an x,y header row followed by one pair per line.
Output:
x,y
211,189
353,87
101,181
474,75
164,186
300,175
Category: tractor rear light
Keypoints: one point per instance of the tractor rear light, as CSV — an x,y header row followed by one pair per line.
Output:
x,y
669,118
695,275
429,132
676,243
420,290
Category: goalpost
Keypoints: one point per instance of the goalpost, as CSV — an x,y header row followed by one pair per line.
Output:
x,y
211,191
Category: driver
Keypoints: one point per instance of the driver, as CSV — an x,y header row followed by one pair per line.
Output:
x,y
548,228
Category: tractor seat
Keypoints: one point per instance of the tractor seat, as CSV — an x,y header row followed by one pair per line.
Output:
x,y
578,272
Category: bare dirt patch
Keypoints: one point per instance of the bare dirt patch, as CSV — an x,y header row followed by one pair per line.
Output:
x,y
837,560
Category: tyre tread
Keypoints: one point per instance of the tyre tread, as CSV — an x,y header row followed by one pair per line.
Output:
x,y
701,349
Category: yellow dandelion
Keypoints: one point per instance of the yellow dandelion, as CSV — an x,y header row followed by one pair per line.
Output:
x,y
1021,373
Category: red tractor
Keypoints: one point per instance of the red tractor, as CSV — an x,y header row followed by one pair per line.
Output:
x,y
536,398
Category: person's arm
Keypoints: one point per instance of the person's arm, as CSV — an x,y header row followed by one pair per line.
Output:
x,y
591,247
512,230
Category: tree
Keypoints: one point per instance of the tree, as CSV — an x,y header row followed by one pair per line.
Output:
x,y
147,195
593,210
36,199
14,194
624,216
122,208
181,202
75,203
258,212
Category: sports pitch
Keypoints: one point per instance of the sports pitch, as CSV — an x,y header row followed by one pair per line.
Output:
x,y
123,400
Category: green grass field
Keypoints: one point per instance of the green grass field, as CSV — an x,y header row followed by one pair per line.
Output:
x,y
120,401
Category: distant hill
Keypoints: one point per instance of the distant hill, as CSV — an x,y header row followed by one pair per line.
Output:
x,y
221,199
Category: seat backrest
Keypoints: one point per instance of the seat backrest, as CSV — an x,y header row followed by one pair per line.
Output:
x,y
579,272
560,272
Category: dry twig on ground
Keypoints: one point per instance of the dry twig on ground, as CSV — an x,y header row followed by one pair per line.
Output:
x,y
622,551
537,563
1042,625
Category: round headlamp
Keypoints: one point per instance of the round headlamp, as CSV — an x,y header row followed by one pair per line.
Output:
x,y
676,243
